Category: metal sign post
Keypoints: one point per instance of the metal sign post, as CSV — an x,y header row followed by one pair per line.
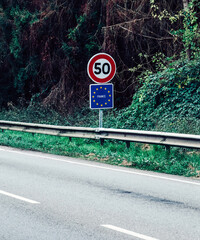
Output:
x,y
101,69
100,118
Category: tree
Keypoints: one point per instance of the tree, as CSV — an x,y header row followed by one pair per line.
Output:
x,y
46,44
186,8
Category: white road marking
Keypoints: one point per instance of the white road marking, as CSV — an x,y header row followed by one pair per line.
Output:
x,y
18,197
107,168
134,234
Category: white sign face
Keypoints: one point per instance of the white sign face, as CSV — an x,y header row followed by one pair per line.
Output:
x,y
101,68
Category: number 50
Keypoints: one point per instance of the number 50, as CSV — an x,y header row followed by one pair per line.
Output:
x,y
99,68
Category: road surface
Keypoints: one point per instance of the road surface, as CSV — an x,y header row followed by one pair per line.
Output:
x,y
48,197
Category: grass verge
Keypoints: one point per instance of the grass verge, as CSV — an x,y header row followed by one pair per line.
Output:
x,y
141,156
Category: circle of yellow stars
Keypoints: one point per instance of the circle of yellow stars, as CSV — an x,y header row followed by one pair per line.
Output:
x,y
97,104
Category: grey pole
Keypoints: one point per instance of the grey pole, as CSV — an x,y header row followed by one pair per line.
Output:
x,y
100,118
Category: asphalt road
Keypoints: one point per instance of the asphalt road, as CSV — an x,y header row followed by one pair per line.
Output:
x,y
59,198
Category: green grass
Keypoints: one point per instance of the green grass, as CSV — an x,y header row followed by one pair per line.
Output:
x,y
168,101
141,156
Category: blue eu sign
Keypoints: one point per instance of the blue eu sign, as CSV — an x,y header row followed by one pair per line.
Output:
x,y
101,96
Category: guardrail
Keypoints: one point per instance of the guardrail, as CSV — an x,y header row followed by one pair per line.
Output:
x,y
150,137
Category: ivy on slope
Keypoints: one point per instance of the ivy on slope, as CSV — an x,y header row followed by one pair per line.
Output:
x,y
168,100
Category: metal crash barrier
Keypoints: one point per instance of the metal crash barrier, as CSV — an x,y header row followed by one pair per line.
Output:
x,y
150,137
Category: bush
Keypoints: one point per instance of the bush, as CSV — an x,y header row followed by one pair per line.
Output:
x,y
167,101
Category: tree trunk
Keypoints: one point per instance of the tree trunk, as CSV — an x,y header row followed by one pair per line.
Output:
x,y
185,4
185,7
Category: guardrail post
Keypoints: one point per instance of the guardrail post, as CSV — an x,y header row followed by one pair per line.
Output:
x,y
128,144
167,150
70,139
149,137
101,141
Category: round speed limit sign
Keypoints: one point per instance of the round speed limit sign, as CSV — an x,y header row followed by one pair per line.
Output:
x,y
101,68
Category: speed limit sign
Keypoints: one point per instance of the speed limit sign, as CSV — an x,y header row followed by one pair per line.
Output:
x,y
101,68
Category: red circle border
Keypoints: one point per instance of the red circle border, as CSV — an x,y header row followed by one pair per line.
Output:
x,y
93,60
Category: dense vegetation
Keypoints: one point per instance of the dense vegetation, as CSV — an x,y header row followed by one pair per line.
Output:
x,y
44,49
45,45
153,158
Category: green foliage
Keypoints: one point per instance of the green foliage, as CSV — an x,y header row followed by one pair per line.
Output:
x,y
16,68
84,40
92,46
139,156
6,83
20,80
164,14
47,44
189,32
74,33
68,50
167,101
20,18
37,49
34,113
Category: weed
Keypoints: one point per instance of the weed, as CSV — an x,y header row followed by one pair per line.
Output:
x,y
152,158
